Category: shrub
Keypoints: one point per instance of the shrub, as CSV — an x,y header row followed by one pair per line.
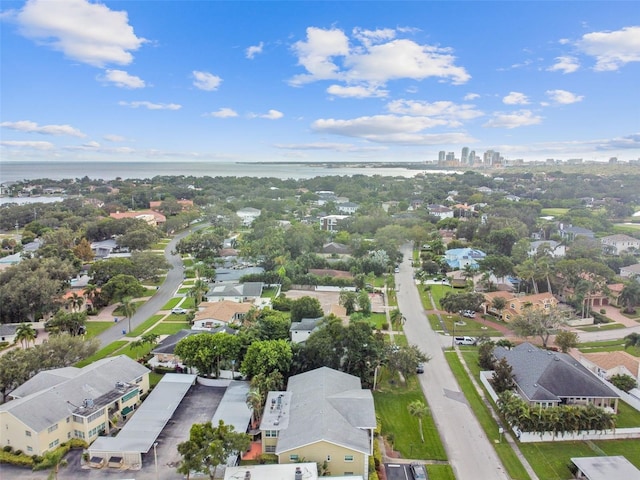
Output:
x,y
384,326
7,448
19,460
623,382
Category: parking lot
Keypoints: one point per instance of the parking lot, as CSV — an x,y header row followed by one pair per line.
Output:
x,y
398,471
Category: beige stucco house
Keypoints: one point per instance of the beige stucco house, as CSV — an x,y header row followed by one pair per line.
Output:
x,y
516,303
324,416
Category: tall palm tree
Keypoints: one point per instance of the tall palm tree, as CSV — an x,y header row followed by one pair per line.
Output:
x,y
419,410
255,401
128,309
528,271
75,302
632,340
25,334
200,287
91,292
499,304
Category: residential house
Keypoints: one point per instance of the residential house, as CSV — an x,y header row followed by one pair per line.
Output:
x,y
302,330
334,248
331,223
619,243
570,233
605,468
323,416
57,405
544,378
516,303
551,247
348,208
390,204
215,314
153,218
325,196
235,292
248,215
8,333
440,211
631,271
607,364
459,258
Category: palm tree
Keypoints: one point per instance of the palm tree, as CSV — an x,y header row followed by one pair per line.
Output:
x,y
200,287
499,304
395,316
128,309
91,292
255,401
419,410
75,302
528,271
630,296
25,334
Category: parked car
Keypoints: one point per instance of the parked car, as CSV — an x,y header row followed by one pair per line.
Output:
x,y
420,368
468,313
465,340
418,471
179,310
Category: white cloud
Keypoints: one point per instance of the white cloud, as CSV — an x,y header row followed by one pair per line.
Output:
x,y
563,97
222,113
114,138
370,37
151,106
270,115
122,79
404,130
84,31
206,81
619,143
316,53
254,50
565,64
521,118
33,127
357,91
471,96
27,144
516,98
612,50
448,112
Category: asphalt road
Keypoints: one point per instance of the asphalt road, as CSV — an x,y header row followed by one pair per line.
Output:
x,y
470,452
165,292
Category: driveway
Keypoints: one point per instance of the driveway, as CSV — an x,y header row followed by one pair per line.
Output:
x,y
470,452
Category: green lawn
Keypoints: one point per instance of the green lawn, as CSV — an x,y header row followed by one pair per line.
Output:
x,y
554,211
169,328
438,292
391,402
377,319
147,324
187,262
468,326
154,378
600,326
440,472
269,292
96,328
608,346
102,353
171,303
507,455
628,417
137,352
400,340
184,290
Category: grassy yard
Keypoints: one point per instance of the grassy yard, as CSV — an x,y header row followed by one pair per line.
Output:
x,y
391,400
507,455
166,328
154,378
600,326
136,352
269,292
468,326
144,326
377,319
96,328
628,417
102,353
554,211
171,303
440,472
608,346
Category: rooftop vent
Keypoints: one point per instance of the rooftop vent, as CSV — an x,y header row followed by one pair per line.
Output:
x,y
298,474
87,403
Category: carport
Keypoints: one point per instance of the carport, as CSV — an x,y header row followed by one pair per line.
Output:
x,y
140,433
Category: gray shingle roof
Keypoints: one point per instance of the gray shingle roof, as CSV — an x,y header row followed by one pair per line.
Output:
x,y
545,375
43,380
328,405
248,289
168,345
44,408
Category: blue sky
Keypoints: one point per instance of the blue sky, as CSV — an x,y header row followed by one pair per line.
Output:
x,y
318,81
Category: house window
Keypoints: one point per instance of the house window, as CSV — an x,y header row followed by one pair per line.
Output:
x,y
293,458
29,449
271,433
328,458
139,379
348,458
95,416
52,428
68,419
78,419
54,443
270,449
27,433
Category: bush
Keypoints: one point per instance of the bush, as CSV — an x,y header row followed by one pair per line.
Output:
x,y
623,382
18,460
384,326
7,448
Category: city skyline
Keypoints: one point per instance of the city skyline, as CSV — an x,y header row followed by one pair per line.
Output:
x,y
318,81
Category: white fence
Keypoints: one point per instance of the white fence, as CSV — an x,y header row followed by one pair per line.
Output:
x,y
529,437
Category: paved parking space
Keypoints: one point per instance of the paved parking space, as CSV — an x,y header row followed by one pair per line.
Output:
x,y
398,471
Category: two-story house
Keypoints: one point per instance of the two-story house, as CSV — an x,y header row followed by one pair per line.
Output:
x,y
619,243
516,303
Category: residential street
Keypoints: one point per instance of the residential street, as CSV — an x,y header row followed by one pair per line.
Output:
x,y
470,452
162,295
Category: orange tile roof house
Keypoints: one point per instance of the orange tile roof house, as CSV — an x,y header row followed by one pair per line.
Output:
x,y
214,314
516,303
607,364
150,216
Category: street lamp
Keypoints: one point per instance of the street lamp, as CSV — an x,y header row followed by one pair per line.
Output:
x,y
155,458
453,334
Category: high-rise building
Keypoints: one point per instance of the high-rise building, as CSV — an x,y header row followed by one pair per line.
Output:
x,y
464,156
472,157
441,156
451,157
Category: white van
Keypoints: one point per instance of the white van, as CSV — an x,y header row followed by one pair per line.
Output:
x,y
465,341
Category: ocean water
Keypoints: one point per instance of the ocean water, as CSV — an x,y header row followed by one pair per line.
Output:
x,y
18,171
